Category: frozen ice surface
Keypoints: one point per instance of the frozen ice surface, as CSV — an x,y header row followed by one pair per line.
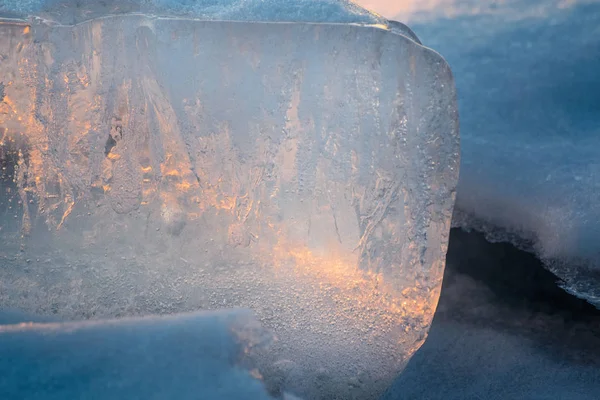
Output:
x,y
201,355
307,172
313,11
529,94
70,11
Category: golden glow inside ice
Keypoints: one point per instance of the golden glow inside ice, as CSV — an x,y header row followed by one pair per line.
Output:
x,y
188,189
357,293
275,207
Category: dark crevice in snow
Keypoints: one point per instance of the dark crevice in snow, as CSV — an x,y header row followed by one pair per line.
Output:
x,y
504,329
516,278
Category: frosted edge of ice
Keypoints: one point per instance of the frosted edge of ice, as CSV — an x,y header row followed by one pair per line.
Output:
x,y
576,275
277,10
401,29
328,11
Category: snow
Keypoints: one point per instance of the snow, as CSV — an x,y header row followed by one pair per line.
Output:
x,y
528,90
158,163
187,356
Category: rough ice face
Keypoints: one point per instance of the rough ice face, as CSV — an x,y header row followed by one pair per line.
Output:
x,y
304,171
527,77
313,11
73,11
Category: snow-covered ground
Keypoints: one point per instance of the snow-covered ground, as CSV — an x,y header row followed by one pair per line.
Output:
x,y
187,356
503,330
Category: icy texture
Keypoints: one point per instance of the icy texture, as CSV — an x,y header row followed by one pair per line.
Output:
x,y
304,171
181,357
314,11
529,91
70,11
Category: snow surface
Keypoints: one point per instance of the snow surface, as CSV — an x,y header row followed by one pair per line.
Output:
x,y
187,356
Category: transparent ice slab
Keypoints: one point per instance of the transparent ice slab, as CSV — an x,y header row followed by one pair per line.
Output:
x,y
307,172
